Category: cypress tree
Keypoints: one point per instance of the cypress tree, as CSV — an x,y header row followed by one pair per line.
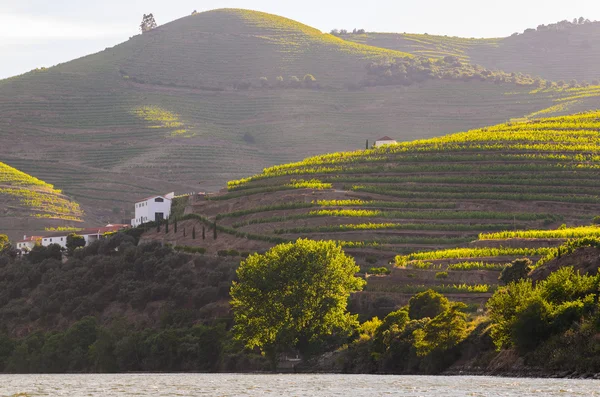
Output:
x,y
175,226
184,232
367,144
215,230
203,233
167,226
194,233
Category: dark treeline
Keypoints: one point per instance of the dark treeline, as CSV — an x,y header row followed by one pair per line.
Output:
x,y
115,306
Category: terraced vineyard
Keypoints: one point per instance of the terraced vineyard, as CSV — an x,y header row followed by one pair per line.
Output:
x,y
425,194
23,196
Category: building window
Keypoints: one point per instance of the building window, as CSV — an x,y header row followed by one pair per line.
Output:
x,y
159,200
61,239
50,240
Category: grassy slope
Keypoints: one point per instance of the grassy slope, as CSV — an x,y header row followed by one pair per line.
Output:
x,y
118,139
27,198
424,195
574,51
430,192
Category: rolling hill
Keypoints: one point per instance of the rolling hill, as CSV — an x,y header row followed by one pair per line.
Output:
x,y
466,204
561,51
30,204
431,193
198,101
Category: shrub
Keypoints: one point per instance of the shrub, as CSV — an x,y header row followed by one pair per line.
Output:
x,y
441,275
371,259
596,220
190,250
427,304
379,270
517,270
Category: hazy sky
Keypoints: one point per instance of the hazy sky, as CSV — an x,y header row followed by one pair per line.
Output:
x,y
36,33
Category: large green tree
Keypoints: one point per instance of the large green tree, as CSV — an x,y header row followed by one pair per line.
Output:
x,y
294,297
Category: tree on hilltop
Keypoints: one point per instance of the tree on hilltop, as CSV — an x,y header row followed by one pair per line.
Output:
x,y
148,23
294,296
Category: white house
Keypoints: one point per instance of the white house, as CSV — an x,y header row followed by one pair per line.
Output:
x,y
56,238
386,140
152,209
90,235
28,242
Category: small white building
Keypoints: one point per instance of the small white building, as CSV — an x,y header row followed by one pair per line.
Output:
x,y
28,242
386,140
152,209
90,235
56,238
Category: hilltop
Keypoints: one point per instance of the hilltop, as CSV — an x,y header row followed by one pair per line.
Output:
x,y
198,101
563,51
32,204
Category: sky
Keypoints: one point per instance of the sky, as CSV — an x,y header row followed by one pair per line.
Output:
x,y
42,33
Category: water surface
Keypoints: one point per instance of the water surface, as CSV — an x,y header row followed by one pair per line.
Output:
x,y
289,385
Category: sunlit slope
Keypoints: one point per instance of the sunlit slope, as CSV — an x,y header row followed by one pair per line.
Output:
x,y
426,45
165,111
220,47
558,53
23,196
439,192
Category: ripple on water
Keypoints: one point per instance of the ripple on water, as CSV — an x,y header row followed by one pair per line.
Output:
x,y
227,385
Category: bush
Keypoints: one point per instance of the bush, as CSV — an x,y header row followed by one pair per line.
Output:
x,y
427,304
441,275
379,271
517,270
190,250
371,259
596,220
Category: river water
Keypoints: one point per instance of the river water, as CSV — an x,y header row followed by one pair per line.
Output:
x,y
288,385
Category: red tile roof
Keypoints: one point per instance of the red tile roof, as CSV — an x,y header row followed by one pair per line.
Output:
x,y
386,138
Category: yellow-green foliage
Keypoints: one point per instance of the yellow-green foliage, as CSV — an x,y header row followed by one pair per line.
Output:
x,y
36,195
465,266
341,203
571,232
577,134
308,184
162,118
62,229
457,253
350,213
295,36
13,177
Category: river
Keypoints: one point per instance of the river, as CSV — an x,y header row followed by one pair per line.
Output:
x,y
288,385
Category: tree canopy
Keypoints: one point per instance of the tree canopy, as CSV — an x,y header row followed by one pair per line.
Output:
x,y
427,304
148,23
294,297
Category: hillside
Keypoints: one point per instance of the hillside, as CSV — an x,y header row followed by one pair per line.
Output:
x,y
562,51
184,107
423,195
29,204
